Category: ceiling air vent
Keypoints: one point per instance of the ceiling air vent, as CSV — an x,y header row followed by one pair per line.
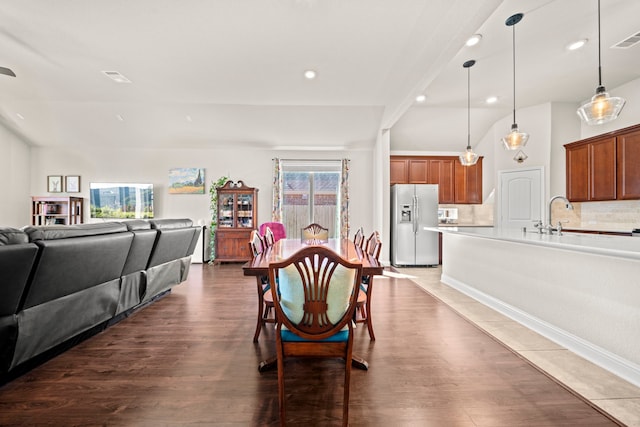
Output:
x,y
628,42
116,77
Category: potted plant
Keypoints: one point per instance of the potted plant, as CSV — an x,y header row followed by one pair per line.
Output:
x,y
213,191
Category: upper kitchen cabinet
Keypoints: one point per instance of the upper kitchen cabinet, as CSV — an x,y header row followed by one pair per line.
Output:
x,y
468,183
408,170
628,157
455,185
441,172
398,171
604,167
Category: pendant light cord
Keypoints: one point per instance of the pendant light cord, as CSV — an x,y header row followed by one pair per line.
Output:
x,y
468,108
514,72
599,55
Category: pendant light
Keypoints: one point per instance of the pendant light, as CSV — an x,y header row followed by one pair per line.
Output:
x,y
469,158
602,108
515,139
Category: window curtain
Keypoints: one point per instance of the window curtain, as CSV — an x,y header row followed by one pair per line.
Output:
x,y
276,209
344,200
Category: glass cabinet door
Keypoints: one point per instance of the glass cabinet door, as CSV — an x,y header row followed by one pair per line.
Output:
x,y
245,210
225,210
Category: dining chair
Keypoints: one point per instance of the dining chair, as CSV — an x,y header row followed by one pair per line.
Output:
x,y
315,232
268,237
358,238
277,228
265,301
315,292
365,294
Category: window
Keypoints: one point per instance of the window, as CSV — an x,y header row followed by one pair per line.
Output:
x,y
311,193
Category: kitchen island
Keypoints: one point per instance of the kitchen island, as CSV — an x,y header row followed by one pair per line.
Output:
x,y
581,291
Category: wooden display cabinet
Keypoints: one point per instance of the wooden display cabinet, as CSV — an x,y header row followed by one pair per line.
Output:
x,y
57,210
237,216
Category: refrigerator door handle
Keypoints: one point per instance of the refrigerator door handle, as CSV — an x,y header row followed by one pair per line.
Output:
x,y
416,214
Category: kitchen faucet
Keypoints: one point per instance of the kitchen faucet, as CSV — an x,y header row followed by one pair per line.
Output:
x,y
549,227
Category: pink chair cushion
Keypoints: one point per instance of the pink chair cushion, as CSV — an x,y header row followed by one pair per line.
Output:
x,y
277,228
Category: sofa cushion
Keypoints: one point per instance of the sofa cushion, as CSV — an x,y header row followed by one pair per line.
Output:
x,y
53,232
163,224
12,236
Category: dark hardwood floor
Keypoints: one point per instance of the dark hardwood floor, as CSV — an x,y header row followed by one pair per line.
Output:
x,y
189,359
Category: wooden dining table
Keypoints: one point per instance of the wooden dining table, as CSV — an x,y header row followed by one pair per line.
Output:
x,y
284,248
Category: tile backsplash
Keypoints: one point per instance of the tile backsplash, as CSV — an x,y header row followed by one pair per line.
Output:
x,y
472,214
620,215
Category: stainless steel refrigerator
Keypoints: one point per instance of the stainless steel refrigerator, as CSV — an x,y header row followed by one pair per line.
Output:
x,y
413,207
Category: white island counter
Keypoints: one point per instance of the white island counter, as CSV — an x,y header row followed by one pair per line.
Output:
x,y
580,290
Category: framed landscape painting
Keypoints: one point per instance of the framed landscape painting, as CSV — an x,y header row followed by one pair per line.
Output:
x,y
186,181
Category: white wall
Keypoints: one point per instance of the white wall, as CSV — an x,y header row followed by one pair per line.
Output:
x,y
253,166
15,207
564,129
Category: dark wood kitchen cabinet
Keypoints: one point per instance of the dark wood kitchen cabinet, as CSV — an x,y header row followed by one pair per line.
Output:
x,y
441,172
604,167
456,183
468,183
405,170
628,159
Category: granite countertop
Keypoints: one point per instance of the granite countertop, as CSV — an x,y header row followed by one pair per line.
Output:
x,y
602,244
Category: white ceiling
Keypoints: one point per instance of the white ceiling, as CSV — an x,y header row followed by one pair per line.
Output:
x,y
210,73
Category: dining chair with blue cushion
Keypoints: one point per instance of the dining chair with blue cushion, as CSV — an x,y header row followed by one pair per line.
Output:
x,y
314,293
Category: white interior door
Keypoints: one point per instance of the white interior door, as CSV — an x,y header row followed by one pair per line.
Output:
x,y
521,197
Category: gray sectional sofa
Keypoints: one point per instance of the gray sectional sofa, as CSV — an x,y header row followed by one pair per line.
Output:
x,y
58,282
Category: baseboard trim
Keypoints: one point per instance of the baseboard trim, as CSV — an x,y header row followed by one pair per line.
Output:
x,y
613,363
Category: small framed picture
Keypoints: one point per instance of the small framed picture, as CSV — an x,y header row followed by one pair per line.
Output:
x,y
54,183
72,184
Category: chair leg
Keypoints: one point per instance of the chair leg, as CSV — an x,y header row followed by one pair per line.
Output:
x,y
347,382
372,336
260,306
280,363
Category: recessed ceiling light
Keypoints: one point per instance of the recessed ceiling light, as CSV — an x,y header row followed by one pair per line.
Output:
x,y
421,98
491,100
577,44
474,40
310,74
116,77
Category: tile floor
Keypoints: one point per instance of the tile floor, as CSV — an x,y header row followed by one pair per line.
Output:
x,y
603,389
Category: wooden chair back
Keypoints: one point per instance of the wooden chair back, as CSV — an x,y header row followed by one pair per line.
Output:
x,y
358,238
315,232
315,293
269,238
374,245
255,243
